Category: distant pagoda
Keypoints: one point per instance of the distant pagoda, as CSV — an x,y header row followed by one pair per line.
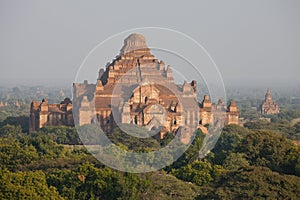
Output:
x,y
268,106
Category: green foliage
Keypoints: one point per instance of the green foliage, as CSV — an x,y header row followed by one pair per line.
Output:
x,y
166,186
25,185
91,134
36,152
61,134
247,108
168,137
133,143
13,155
22,121
85,182
297,131
286,115
198,172
191,154
264,148
235,161
238,167
297,127
292,161
46,147
253,183
231,136
280,126
90,182
10,113
10,131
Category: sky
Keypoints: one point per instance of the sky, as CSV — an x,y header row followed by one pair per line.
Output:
x,y
252,42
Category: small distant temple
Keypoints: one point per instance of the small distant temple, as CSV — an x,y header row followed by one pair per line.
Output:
x,y
45,114
268,106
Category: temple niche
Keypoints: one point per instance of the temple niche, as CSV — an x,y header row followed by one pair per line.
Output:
x,y
153,100
268,106
45,114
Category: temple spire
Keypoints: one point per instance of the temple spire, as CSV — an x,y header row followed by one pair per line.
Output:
x,y
268,95
134,42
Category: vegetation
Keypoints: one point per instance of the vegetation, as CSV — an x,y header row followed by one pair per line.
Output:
x,y
278,126
26,185
258,161
244,164
253,183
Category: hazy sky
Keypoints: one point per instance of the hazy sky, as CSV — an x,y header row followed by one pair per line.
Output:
x,y
252,42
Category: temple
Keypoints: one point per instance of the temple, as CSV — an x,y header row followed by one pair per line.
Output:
x,y
268,106
136,88
45,114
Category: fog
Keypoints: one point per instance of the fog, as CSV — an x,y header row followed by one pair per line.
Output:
x,y
253,43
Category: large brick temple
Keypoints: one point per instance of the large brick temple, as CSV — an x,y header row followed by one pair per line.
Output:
x,y
151,98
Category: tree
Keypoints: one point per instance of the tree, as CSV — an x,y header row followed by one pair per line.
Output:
x,y
10,131
231,136
14,156
198,172
235,161
22,121
297,127
191,154
25,185
253,183
62,134
264,148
